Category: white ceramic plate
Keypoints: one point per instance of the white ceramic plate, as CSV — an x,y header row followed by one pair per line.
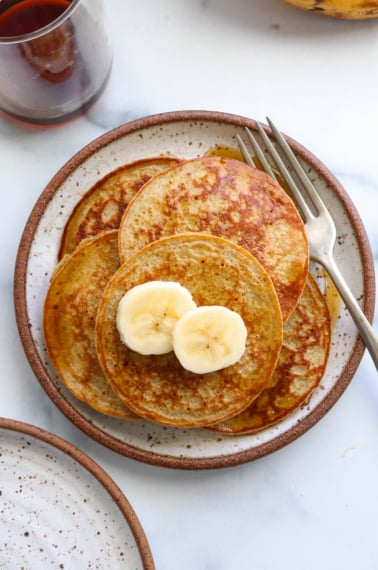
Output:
x,y
184,134
59,509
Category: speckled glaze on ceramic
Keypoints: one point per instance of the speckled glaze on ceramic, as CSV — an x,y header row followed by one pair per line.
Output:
x,y
184,134
59,509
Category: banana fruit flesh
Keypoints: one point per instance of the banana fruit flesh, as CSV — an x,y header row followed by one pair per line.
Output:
x,y
160,316
210,338
346,9
148,313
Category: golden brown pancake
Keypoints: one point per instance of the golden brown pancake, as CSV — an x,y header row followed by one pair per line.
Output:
x,y
227,198
69,321
300,367
216,272
101,208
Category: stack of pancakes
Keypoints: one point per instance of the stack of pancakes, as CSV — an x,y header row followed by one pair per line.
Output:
x,y
232,237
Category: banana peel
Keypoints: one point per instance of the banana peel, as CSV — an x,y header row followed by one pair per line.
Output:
x,y
345,9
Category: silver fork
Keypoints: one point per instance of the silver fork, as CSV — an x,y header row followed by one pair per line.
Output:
x,y
319,225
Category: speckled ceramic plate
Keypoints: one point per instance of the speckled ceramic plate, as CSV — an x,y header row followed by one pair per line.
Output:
x,y
59,509
186,135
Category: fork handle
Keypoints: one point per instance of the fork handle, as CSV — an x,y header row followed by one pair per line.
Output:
x,y
367,333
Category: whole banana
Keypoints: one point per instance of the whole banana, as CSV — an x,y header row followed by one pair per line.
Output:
x,y
347,9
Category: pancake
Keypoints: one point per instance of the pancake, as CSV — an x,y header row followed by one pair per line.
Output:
x,y
216,272
101,208
300,368
227,198
69,322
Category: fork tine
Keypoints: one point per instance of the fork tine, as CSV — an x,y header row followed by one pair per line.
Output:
x,y
245,152
298,169
260,155
281,167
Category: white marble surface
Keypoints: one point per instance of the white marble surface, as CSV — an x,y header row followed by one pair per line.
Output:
x,y
314,503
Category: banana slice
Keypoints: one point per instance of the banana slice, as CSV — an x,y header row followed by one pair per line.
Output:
x,y
148,313
207,339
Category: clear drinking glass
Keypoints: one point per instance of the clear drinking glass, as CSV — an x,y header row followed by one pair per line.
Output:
x,y
55,57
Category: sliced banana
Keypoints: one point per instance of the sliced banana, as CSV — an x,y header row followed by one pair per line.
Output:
x,y
207,339
148,313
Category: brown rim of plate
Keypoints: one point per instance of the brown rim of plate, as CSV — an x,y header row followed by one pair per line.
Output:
x,y
94,469
87,426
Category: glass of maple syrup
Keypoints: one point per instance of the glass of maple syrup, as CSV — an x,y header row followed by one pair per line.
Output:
x,y
55,58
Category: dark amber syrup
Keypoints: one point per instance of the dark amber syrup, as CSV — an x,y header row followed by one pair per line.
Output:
x,y
27,16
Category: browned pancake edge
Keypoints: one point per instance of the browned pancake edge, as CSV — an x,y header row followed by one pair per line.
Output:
x,y
69,322
301,366
101,208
